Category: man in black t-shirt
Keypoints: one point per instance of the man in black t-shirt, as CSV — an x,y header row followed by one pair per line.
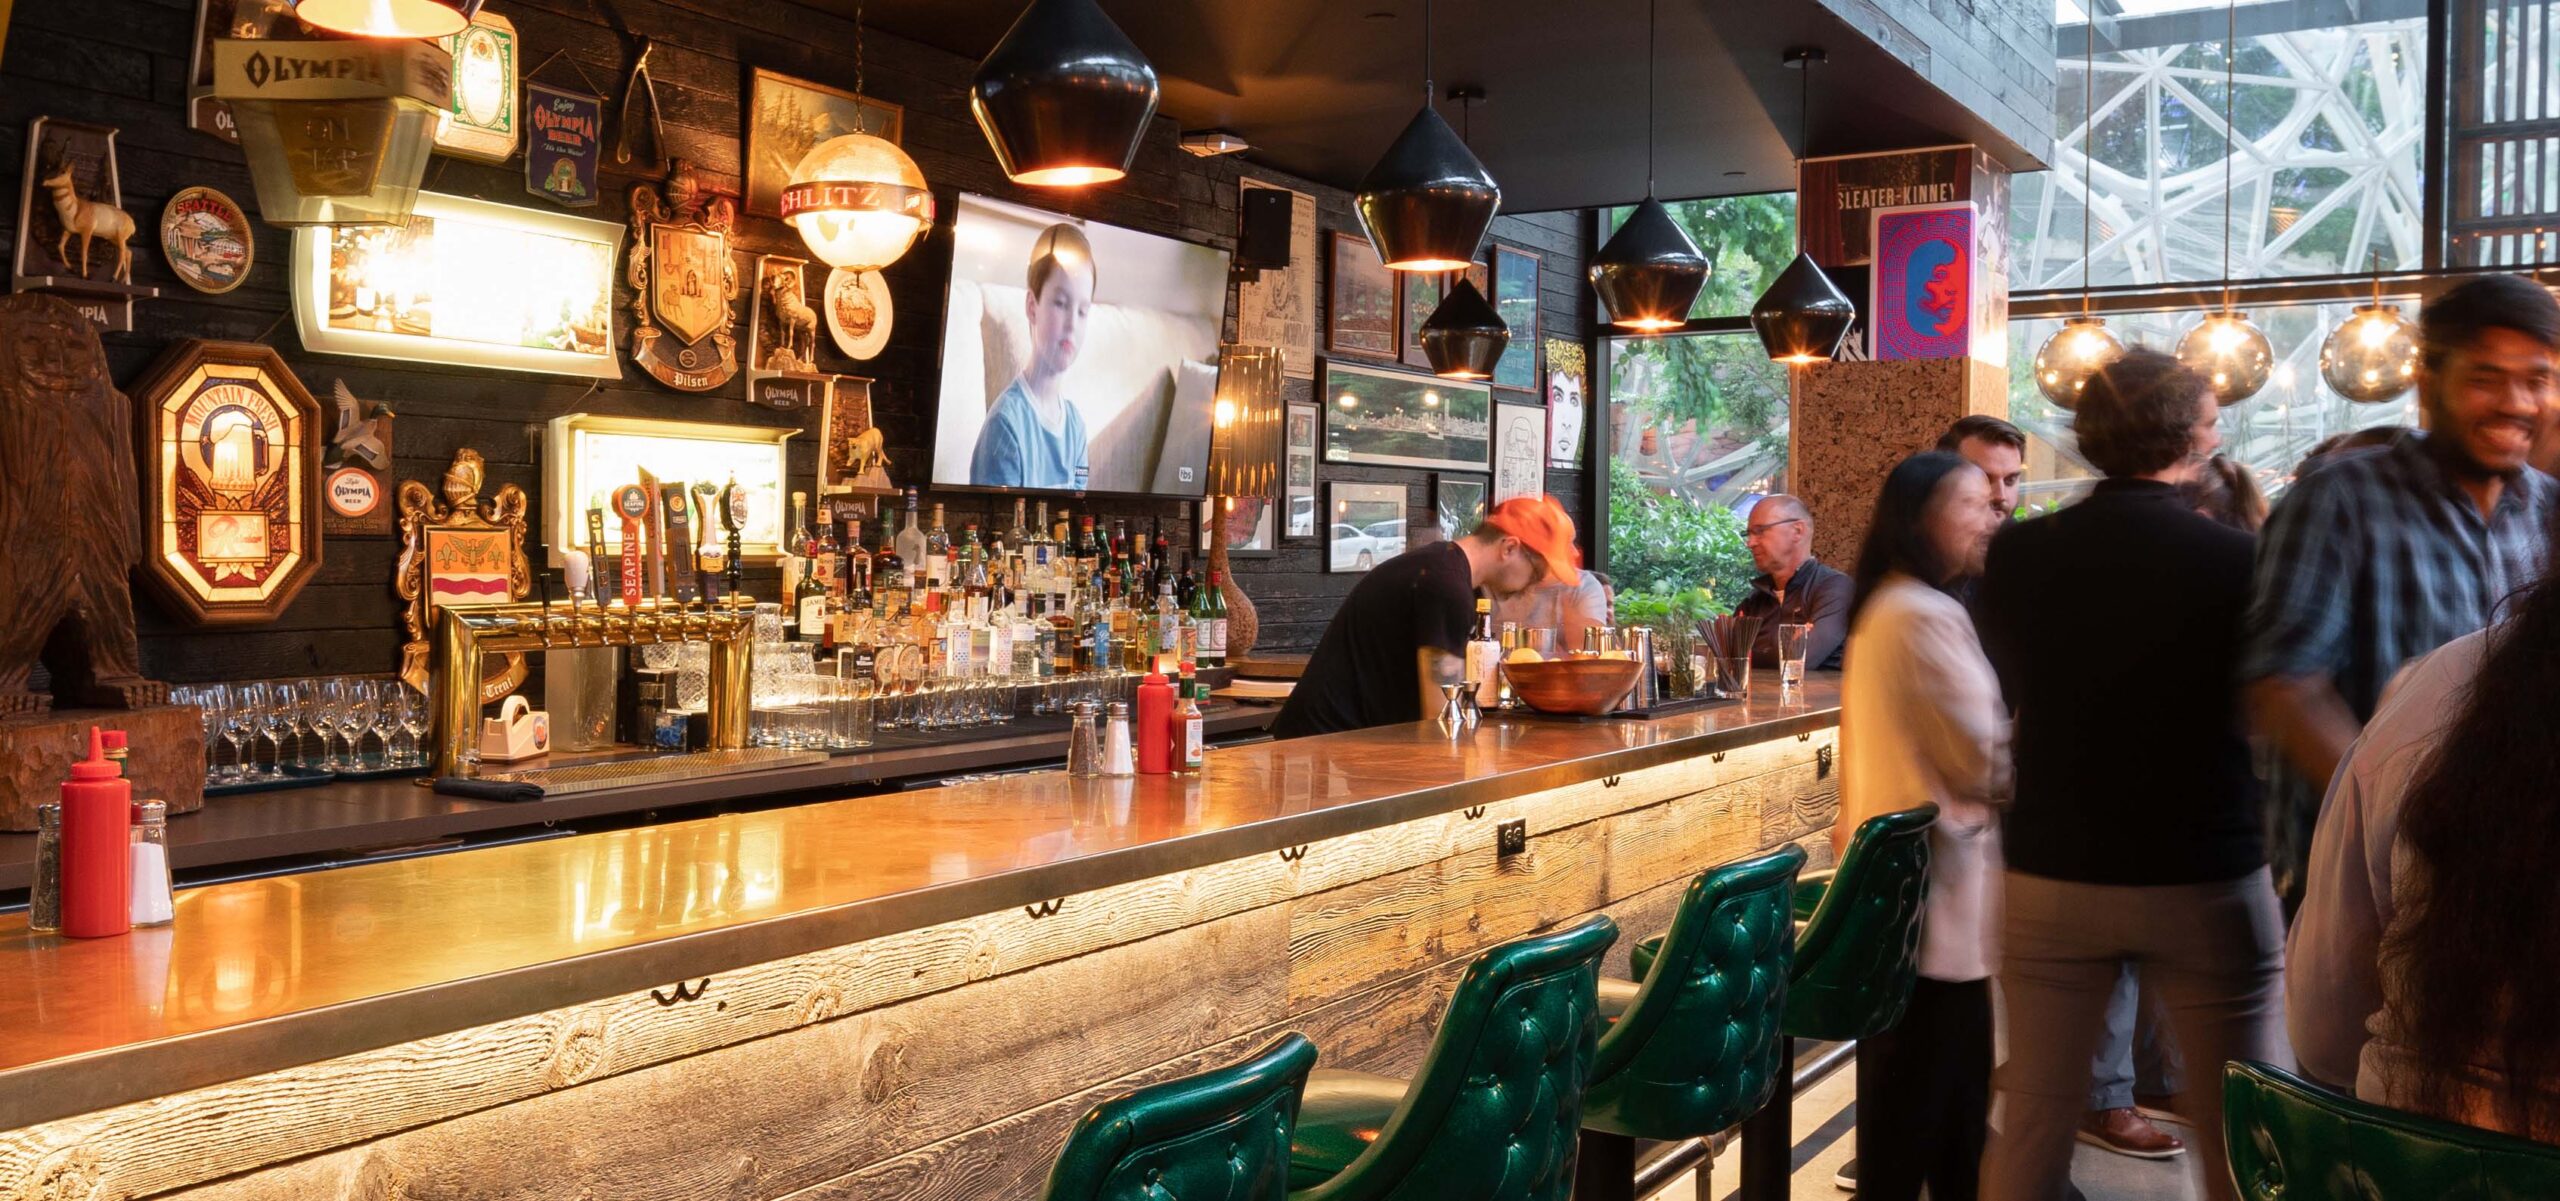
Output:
x,y
1402,632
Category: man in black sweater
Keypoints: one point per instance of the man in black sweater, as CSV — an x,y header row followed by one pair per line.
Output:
x,y
2135,835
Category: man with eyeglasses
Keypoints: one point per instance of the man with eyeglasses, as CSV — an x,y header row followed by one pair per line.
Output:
x,y
1793,587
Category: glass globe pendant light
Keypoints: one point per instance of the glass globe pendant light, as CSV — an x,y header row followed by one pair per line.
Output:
x,y
2227,348
2084,343
2373,355
858,201
1065,97
1465,335
1803,316
1428,201
1648,273
388,18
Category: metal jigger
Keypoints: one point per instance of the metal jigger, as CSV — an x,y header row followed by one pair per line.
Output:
x,y
1453,710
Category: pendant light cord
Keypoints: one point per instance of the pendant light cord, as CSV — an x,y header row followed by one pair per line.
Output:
x,y
1650,33
1428,99
2088,138
2230,135
859,125
1804,136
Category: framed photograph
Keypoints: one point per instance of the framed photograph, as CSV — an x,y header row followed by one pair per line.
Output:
x,y
1298,470
1515,296
1458,501
1360,304
1399,419
1421,297
788,116
1519,451
1250,524
465,282
1367,525
1278,306
1565,390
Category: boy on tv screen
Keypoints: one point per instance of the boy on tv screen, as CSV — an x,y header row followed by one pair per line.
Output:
x,y
1034,436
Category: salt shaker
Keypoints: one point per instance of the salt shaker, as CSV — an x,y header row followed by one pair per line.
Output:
x,y
1118,757
1084,742
44,903
153,902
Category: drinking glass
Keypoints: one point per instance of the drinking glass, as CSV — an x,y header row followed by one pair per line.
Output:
x,y
364,705
1733,676
306,717
415,719
386,715
331,721
257,710
239,725
1794,638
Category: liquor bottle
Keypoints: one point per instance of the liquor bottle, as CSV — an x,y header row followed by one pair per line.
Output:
x,y
795,564
858,565
1484,658
1191,751
1124,628
1088,552
1016,536
911,539
889,574
1209,608
809,608
1094,651
973,580
1168,640
1160,561
1186,588
937,552
824,560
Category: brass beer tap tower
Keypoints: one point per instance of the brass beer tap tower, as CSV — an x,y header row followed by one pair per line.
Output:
x,y
465,634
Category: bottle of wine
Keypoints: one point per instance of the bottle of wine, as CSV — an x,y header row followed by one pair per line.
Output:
x,y
889,574
1484,658
809,607
937,552
1209,608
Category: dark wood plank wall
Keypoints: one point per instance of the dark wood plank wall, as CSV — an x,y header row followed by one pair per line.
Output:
x,y
124,63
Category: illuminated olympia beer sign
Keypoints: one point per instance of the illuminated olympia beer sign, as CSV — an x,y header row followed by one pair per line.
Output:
x,y
231,444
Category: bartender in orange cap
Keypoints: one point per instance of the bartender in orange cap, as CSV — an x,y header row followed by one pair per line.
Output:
x,y
1402,633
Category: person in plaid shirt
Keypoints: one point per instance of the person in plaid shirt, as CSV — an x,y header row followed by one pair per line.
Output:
x,y
2383,554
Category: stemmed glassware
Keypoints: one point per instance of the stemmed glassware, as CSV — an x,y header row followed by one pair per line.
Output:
x,y
364,710
280,718
332,722
239,726
386,716
306,714
256,706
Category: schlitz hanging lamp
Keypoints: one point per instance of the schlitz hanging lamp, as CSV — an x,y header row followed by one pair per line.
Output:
x,y
1803,316
1065,97
858,201
1428,201
1648,273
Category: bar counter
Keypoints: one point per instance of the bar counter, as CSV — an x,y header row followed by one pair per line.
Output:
x,y
908,995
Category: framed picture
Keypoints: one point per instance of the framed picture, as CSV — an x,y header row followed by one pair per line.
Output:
x,y
1249,527
230,489
1399,419
1515,296
1422,293
1519,451
1298,470
1278,306
1458,501
467,282
1920,289
1360,304
786,117
1565,389
1367,525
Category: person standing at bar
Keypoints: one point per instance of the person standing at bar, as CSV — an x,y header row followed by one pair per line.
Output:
x,y
1998,448
2135,837
1793,587
1566,609
2383,555
1402,633
1921,723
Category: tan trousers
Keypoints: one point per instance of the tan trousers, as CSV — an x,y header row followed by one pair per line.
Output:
x,y
2214,951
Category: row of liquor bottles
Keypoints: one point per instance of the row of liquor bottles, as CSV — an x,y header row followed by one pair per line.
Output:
x,y
1045,597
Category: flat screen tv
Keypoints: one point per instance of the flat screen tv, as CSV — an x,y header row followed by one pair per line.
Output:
x,y
1076,356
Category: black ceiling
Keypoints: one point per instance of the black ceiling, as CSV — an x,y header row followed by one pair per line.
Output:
x,y
1320,86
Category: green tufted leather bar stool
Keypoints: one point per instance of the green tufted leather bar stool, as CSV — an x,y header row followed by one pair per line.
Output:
x,y
1222,1135
1694,1048
2291,1140
1493,1112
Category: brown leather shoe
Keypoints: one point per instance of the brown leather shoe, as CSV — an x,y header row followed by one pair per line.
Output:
x,y
2126,1132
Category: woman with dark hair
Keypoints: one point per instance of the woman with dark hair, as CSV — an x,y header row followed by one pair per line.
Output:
x,y
1921,723
2426,954
2223,490
2135,838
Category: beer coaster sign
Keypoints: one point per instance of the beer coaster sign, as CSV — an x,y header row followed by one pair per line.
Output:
x,y
355,482
782,337
858,312
480,121
564,145
207,240
230,501
683,282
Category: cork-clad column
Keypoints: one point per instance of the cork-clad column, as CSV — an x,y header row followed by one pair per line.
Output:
x,y
1853,421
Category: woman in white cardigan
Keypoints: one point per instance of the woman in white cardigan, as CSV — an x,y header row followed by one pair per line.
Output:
x,y
1922,722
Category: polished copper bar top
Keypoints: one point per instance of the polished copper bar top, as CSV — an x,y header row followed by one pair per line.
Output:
x,y
263,974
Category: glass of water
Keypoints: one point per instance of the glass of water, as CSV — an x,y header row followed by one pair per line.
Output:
x,y
1793,640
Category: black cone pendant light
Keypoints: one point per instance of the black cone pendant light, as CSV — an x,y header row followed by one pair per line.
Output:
x,y
1064,97
1803,315
1649,272
1465,336
1427,203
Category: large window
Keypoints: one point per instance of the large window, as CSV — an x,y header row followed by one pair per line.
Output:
x,y
1697,432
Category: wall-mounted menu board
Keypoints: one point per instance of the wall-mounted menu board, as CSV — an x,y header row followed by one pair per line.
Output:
x,y
467,282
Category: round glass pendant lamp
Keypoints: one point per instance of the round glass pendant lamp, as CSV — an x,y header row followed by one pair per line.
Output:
x,y
1465,337
1428,202
388,18
1803,316
1065,97
1649,272
858,201
2372,356
2232,353
2074,353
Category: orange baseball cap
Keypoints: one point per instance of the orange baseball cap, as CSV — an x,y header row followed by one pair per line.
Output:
x,y
1542,525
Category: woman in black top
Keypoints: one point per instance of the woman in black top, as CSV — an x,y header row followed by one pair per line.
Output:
x,y
2135,837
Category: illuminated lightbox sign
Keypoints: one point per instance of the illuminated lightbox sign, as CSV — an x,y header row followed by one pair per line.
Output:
x,y
465,281
588,456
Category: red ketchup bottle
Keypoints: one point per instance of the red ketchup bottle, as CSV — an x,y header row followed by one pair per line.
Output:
x,y
1155,731
97,852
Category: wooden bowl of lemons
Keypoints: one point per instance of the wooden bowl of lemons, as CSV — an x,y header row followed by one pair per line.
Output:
x,y
1577,684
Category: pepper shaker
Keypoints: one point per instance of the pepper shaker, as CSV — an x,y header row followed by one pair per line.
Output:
x,y
44,902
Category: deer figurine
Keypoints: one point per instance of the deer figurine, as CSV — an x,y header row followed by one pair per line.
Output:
x,y
89,219
794,320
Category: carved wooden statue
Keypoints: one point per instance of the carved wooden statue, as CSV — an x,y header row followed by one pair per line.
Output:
x,y
461,551
68,517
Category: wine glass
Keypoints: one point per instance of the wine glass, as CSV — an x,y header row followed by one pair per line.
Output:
x,y
306,715
254,704
239,725
386,715
364,706
331,721
283,712
417,716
